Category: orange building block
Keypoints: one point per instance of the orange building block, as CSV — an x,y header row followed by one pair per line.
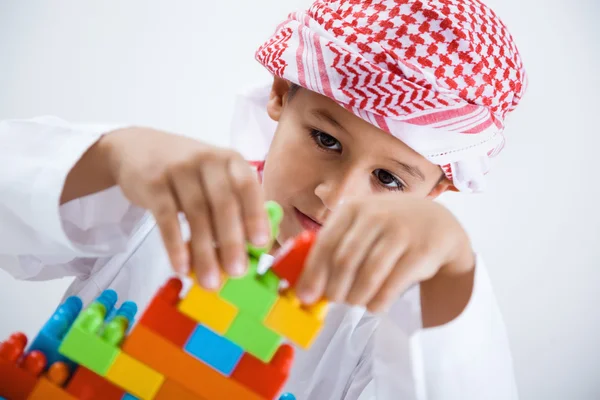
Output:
x,y
170,390
58,373
163,317
18,377
86,385
171,361
266,380
300,324
289,260
46,390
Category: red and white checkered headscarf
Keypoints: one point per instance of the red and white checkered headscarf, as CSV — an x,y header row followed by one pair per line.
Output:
x,y
439,75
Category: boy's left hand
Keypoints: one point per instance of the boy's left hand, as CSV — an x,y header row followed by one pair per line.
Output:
x,y
372,250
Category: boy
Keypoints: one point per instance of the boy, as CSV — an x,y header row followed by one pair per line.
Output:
x,y
376,108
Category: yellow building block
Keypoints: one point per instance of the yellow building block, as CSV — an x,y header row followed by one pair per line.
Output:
x,y
135,377
295,322
208,308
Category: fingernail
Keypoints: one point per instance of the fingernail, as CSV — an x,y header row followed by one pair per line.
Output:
x,y
210,281
183,269
238,269
306,296
260,239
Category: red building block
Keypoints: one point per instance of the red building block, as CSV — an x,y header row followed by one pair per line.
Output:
x,y
163,317
289,261
86,385
18,376
265,379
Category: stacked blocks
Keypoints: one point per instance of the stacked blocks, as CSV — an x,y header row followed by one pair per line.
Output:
x,y
226,344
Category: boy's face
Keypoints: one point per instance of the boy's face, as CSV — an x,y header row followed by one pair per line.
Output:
x,y
323,154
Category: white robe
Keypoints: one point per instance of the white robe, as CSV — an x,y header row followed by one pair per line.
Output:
x,y
105,242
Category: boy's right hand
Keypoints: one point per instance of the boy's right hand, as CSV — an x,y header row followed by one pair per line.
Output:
x,y
215,188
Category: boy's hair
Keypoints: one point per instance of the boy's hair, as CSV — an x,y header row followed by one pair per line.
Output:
x,y
292,90
439,75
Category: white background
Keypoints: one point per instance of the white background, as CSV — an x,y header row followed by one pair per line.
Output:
x,y
175,65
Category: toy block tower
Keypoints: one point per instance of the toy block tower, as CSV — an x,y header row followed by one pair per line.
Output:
x,y
228,343
204,345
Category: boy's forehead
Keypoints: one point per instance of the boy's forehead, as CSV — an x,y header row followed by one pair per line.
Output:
x,y
319,109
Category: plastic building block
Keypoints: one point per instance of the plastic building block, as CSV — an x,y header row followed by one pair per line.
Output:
x,y
208,308
297,323
182,368
255,338
84,344
214,350
287,396
135,377
163,317
52,333
45,389
269,280
171,390
58,373
248,294
86,385
129,396
18,373
265,379
290,259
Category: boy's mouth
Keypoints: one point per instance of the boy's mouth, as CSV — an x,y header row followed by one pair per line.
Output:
x,y
307,222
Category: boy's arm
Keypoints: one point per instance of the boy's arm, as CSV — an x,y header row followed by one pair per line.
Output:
x,y
36,157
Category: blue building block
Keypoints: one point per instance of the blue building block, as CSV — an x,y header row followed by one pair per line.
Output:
x,y
128,396
52,333
287,396
213,349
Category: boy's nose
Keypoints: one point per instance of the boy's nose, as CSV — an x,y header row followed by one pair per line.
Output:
x,y
335,190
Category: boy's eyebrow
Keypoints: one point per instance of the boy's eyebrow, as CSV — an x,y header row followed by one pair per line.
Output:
x,y
411,170
323,115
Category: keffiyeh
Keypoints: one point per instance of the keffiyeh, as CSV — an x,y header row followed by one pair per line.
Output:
x,y
440,75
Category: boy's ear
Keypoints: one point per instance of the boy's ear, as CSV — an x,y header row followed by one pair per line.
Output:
x,y
277,98
443,186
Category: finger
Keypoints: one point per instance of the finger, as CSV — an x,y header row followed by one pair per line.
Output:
x,y
349,256
251,199
375,269
315,274
226,218
400,279
194,204
163,205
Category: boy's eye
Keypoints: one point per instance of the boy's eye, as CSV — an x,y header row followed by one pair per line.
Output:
x,y
325,141
388,180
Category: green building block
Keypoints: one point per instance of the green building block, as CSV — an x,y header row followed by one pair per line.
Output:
x,y
85,346
269,280
255,338
252,294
